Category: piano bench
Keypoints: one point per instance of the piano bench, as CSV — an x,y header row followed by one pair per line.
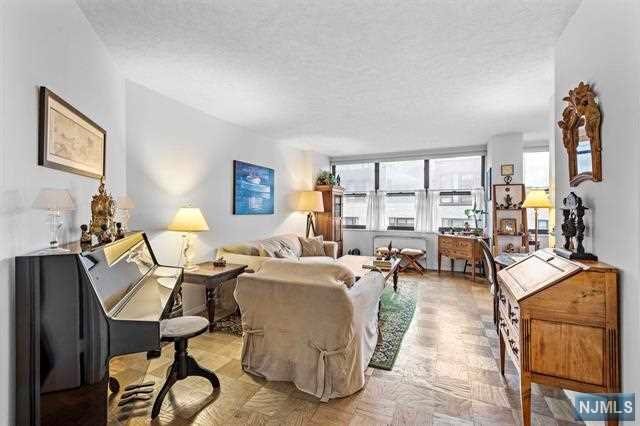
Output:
x,y
179,330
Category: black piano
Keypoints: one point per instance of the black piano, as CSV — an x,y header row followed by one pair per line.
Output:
x,y
75,310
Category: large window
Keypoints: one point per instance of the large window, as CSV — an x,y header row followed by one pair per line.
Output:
x,y
400,180
536,176
358,180
458,179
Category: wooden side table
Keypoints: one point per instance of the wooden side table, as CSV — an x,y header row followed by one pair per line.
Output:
x,y
212,277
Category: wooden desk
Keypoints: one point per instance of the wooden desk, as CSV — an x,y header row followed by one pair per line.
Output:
x,y
558,322
459,247
212,277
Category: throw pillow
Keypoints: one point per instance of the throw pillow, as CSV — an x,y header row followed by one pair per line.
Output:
x,y
312,246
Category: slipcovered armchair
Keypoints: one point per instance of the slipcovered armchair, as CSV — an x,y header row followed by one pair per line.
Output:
x,y
303,323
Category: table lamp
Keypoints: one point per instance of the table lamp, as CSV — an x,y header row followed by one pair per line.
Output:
x,y
188,220
536,199
311,202
124,204
55,202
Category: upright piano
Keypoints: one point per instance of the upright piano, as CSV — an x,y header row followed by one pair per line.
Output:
x,y
75,310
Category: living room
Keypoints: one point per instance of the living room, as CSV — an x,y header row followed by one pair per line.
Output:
x,y
414,132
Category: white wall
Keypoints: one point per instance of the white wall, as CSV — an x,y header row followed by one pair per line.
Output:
x,y
601,45
46,43
179,155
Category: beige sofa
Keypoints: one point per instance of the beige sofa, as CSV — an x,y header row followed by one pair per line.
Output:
x,y
302,323
254,253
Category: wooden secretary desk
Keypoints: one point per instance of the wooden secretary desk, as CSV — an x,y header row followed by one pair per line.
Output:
x,y
558,322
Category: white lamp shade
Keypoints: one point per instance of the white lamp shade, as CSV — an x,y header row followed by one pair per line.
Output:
x,y
311,201
188,219
54,199
537,199
125,202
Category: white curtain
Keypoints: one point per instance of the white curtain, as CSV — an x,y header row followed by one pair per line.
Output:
x,y
478,202
376,217
422,211
432,212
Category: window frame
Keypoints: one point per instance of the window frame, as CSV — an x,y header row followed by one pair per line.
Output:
x,y
376,165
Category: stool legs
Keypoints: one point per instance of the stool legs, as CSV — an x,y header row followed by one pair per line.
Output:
x,y
183,366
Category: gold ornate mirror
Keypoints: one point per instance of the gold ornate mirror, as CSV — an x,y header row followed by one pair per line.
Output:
x,y
581,135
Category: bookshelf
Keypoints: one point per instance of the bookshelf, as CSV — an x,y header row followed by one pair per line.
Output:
x,y
507,211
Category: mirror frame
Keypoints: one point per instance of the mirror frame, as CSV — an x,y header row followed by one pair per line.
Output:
x,y
582,109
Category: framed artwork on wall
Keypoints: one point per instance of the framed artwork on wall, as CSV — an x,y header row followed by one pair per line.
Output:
x,y
253,189
69,140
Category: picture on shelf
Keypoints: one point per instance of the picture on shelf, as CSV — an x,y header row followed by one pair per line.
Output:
x,y
253,189
508,226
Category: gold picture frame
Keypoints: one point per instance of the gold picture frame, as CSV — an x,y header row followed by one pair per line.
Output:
x,y
508,226
506,169
69,140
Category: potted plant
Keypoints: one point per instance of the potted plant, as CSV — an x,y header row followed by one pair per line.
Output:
x,y
325,177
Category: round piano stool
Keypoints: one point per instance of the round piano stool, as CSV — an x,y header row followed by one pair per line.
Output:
x,y
180,330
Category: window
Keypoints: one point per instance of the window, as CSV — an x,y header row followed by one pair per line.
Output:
x,y
536,175
459,173
458,179
355,210
357,177
357,180
400,180
536,169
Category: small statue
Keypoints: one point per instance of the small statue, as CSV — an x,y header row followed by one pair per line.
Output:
x,y
467,227
119,231
219,262
105,235
85,236
338,180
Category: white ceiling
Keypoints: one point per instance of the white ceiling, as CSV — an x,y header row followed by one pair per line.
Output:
x,y
346,77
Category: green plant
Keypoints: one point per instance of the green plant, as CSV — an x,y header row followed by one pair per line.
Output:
x,y
325,177
474,213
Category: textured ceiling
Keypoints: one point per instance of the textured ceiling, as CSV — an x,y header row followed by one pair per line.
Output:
x,y
345,77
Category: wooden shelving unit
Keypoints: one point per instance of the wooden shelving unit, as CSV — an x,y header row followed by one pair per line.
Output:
x,y
520,238
330,221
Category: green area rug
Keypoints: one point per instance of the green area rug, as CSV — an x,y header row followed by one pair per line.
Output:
x,y
395,316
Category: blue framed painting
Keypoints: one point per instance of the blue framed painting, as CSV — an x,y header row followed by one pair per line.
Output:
x,y
253,189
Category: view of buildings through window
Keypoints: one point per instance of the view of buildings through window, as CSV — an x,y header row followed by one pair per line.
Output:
x,y
536,176
454,178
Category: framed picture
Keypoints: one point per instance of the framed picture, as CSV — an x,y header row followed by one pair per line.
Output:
x,y
508,226
68,140
506,169
253,189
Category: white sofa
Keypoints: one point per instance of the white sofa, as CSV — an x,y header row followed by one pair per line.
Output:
x,y
254,253
302,323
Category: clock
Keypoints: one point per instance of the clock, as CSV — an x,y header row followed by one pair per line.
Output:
x,y
572,201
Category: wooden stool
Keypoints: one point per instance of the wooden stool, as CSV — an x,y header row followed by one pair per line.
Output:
x,y
411,258
180,330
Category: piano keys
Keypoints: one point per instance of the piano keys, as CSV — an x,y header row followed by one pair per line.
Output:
x,y
77,309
